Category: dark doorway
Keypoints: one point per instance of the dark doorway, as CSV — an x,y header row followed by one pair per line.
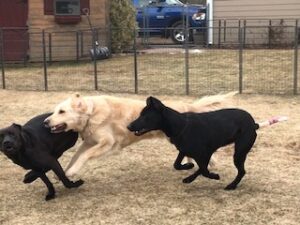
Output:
x,y
13,22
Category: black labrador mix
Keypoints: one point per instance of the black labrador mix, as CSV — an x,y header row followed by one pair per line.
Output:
x,y
199,135
35,148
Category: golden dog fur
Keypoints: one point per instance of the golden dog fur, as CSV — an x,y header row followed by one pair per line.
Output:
x,y
102,122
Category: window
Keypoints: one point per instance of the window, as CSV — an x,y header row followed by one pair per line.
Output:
x,y
67,7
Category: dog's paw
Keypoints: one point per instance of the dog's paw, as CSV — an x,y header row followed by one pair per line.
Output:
x,y
187,166
214,176
78,183
29,178
71,173
49,197
230,187
188,180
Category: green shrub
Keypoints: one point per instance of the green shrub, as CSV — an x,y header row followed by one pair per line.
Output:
x,y
123,23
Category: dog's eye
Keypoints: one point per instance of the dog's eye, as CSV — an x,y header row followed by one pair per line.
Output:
x,y
61,111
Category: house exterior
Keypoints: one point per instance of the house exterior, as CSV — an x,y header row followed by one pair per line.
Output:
x,y
256,9
63,22
263,20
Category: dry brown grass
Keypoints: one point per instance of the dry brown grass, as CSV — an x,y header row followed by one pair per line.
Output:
x,y
139,185
162,72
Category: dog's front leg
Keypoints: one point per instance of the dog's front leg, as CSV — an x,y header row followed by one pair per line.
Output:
x,y
51,190
57,169
31,176
202,170
177,164
51,163
105,145
82,148
192,177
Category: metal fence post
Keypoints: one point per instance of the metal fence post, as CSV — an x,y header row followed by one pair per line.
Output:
x,y
81,43
2,57
135,64
244,33
269,34
241,45
186,47
77,46
94,59
50,47
296,59
45,61
225,28
219,36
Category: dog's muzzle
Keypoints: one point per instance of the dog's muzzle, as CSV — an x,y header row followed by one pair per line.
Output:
x,y
57,128
129,127
136,131
7,146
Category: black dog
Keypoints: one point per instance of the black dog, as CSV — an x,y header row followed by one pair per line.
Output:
x,y
199,135
34,148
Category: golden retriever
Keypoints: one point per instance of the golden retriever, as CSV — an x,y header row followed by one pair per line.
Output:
x,y
102,122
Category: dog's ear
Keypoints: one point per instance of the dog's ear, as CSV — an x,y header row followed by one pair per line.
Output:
x,y
149,101
78,103
157,104
18,126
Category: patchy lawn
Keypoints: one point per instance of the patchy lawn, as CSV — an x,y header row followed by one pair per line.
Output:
x,y
163,72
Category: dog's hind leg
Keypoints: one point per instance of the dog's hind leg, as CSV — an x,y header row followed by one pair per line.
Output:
x,y
177,164
242,148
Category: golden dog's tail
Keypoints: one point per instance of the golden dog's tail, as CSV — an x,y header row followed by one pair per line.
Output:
x,y
213,102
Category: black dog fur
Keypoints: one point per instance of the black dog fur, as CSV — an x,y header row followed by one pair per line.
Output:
x,y
199,135
34,148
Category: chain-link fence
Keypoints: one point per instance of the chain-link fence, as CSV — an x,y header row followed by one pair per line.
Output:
x,y
252,59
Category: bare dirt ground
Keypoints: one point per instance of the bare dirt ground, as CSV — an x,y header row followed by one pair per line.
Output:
x,y
139,185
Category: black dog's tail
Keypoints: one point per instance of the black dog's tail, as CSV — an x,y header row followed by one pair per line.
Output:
x,y
271,121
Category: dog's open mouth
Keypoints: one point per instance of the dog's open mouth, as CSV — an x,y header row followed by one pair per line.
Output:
x,y
140,132
9,148
58,128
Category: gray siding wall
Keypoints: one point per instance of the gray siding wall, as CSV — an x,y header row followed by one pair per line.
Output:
x,y
258,14
256,9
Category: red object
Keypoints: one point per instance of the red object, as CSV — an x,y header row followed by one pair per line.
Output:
x,y
13,22
84,4
67,19
48,7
